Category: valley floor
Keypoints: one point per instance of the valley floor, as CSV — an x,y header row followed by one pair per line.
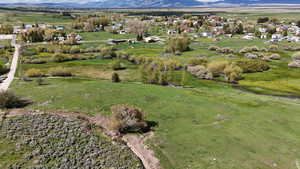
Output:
x,y
210,126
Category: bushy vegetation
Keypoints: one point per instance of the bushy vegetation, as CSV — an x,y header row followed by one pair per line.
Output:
x,y
115,78
122,55
213,48
108,52
296,56
60,71
274,56
217,68
252,66
6,29
33,72
127,118
3,69
37,34
249,49
232,72
200,71
117,64
59,57
8,99
159,71
178,44
225,50
197,61
229,70
273,48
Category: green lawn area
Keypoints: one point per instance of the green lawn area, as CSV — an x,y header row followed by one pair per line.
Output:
x,y
94,68
207,125
210,126
253,16
91,36
33,17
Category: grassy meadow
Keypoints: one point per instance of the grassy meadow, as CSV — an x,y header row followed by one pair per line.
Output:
x,y
202,124
209,126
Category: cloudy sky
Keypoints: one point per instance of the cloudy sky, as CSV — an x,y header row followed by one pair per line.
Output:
x,y
77,1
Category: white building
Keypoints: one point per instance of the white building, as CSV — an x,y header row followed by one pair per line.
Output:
x,y
206,34
249,37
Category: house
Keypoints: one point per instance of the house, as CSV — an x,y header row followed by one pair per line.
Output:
x,y
262,30
249,37
293,39
276,36
28,26
151,39
18,29
60,28
122,32
60,38
263,36
206,34
297,31
171,32
44,26
78,38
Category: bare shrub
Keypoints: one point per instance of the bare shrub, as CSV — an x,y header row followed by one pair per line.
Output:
x,y
296,56
127,118
178,44
33,72
60,71
197,61
8,99
217,68
232,72
115,78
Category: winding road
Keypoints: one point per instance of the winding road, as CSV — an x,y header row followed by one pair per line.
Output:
x,y
13,67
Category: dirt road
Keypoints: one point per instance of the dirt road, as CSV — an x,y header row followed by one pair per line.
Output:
x,y
13,67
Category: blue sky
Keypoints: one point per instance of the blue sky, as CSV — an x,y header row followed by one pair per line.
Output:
x,y
77,1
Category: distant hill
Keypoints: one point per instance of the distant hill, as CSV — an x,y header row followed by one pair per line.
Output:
x,y
154,3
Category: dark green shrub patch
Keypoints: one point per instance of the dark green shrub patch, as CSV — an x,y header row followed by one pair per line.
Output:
x,y
8,99
252,66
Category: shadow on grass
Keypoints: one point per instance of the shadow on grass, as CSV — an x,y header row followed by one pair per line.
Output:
x,y
9,100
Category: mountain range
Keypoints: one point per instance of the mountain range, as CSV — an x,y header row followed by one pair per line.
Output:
x,y
147,3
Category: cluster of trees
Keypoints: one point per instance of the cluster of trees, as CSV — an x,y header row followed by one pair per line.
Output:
x,y
263,19
137,27
233,29
178,44
91,23
229,70
6,29
3,69
40,35
159,71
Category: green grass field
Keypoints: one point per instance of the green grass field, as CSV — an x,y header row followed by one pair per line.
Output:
x,y
18,17
206,124
210,126
91,36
